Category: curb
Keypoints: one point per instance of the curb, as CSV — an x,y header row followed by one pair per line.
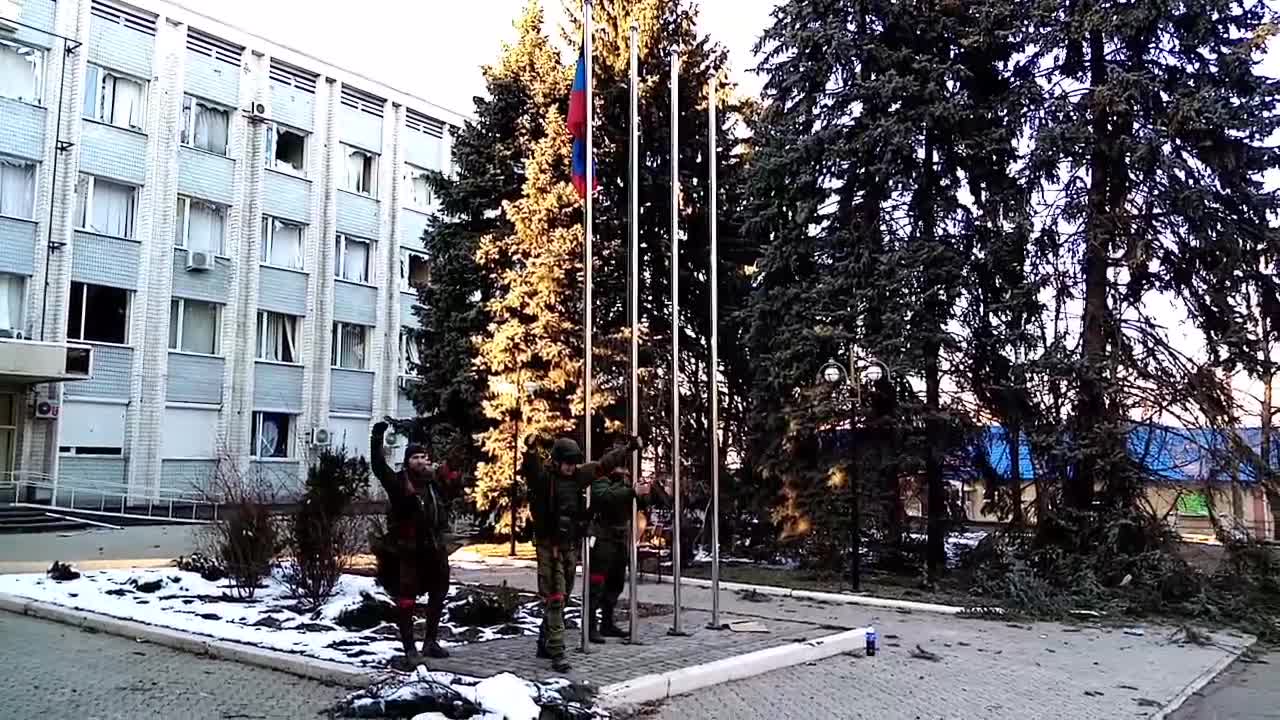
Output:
x,y
660,686
1202,680
321,670
463,561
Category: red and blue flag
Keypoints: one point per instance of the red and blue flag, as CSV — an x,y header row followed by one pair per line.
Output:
x,y
578,128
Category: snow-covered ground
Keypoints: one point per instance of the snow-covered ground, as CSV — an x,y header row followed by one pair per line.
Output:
x,y
172,598
430,695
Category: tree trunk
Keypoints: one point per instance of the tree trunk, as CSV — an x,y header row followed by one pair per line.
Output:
x,y
1091,407
936,551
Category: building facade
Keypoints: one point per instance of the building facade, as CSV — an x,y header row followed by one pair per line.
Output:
x,y
233,229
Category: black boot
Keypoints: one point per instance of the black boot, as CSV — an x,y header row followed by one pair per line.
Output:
x,y
542,648
561,664
432,649
607,627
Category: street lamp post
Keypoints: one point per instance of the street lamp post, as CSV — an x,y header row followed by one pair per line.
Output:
x,y
516,388
834,373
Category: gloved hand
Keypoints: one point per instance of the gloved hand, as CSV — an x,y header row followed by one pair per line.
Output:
x,y
380,429
634,443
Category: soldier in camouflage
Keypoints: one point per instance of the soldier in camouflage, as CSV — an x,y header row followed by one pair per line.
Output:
x,y
611,497
557,502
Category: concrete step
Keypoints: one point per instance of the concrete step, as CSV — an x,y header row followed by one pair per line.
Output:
x,y
39,525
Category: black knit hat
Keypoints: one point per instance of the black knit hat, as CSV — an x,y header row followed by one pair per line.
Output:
x,y
414,449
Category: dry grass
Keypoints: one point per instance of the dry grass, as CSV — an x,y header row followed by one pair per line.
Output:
x,y
524,551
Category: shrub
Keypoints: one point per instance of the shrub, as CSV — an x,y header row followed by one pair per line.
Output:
x,y
321,537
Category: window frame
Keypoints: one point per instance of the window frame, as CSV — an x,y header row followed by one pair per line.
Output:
x,y
272,141
405,254
406,342
261,338
99,73
35,182
340,258
90,193
39,71
410,171
24,286
187,131
182,317
84,309
373,158
336,346
267,243
185,223
255,436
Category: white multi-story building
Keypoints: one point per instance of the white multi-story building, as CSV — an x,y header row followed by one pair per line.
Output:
x,y
232,228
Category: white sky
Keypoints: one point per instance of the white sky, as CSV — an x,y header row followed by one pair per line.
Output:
x,y
434,48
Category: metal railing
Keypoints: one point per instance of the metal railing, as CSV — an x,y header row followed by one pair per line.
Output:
x,y
38,490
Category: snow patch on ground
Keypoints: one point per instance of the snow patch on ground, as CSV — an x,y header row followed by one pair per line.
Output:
x,y
428,695
185,601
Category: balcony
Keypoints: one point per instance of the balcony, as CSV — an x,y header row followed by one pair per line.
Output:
x,y
28,362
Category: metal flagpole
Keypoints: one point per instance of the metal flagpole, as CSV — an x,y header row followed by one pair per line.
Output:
x,y
715,357
675,340
586,323
632,607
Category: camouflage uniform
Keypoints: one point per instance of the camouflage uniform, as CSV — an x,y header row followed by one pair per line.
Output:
x,y
558,505
611,498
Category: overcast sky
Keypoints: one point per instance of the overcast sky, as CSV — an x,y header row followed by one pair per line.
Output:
x,y
434,48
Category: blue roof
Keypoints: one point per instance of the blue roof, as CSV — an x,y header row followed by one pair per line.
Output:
x,y
1175,455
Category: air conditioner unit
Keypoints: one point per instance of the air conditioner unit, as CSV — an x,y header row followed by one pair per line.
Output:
x,y
199,260
321,437
9,12
47,410
256,109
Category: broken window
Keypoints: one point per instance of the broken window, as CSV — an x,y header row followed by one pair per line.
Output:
x,y
277,337
272,435
199,225
114,99
287,150
420,195
281,244
21,72
348,349
105,207
351,259
415,273
409,362
204,126
360,171
98,314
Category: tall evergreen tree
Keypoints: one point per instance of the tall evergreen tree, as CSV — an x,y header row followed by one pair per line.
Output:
x,y
489,155
1154,137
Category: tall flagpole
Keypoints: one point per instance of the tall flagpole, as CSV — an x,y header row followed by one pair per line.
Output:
x,y
675,340
715,358
586,323
632,606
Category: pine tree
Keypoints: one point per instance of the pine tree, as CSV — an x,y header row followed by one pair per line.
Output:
x,y
665,26
1155,135
488,161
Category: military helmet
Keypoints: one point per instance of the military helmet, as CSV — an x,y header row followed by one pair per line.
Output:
x,y
566,450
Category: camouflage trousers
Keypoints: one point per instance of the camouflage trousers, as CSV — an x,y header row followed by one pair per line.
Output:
x,y
609,558
556,567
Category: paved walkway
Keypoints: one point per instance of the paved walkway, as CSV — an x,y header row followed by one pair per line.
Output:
x,y
57,671
1248,691
97,547
984,669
